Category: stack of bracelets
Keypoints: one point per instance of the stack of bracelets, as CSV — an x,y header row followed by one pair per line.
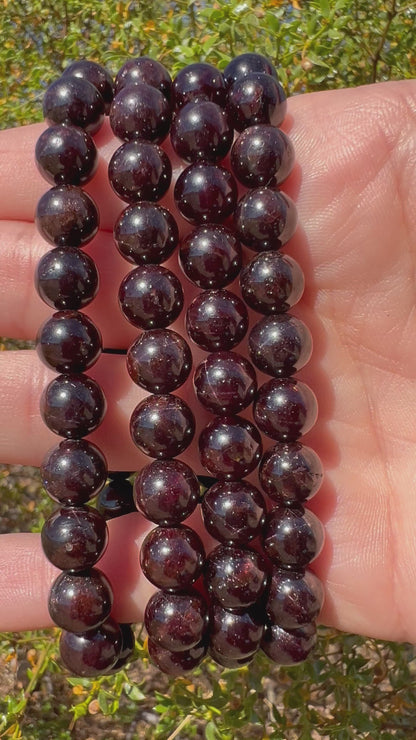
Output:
x,y
238,598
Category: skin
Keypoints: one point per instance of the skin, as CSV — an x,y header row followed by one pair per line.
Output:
x,y
355,189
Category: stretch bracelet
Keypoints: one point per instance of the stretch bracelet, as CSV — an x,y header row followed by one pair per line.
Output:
x,y
254,589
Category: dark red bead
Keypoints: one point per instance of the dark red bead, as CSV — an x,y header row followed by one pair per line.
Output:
x,y
233,511
162,426
265,219
211,256
146,233
280,345
66,278
139,170
199,81
235,634
166,492
80,601
289,647
235,576
292,537
74,538
285,408
272,282
66,216
73,472
69,342
116,498
66,155
172,558
151,297
256,98
128,643
176,621
230,662
262,155
144,69
75,101
217,320
91,653
290,473
205,193
96,74
140,111
294,598
73,405
176,664
159,361
243,64
201,132
230,447
225,383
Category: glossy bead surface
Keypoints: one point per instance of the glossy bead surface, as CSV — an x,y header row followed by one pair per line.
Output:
x,y
256,98
199,81
73,472
292,536
68,342
243,64
227,662
272,283
285,408
225,383
230,447
235,634
72,405
74,101
150,297
66,155
211,256
116,498
289,647
96,75
178,663
294,598
166,492
234,512
262,155
146,233
128,642
217,320
205,193
91,653
74,538
235,576
290,473
172,558
201,131
280,345
265,219
139,170
80,601
162,426
66,216
144,69
66,278
159,361
176,621
140,111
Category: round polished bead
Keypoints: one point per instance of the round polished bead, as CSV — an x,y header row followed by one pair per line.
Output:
x,y
211,256
235,576
91,653
144,69
225,383
116,498
80,601
74,101
140,111
178,663
205,193
272,282
199,81
217,320
233,511
151,297
128,643
256,98
139,170
74,538
69,342
66,216
292,536
96,75
66,155
243,64
66,278
265,219
166,492
159,361
262,155
230,447
285,408
280,345
289,647
235,634
172,558
294,598
230,662
201,131
73,472
146,233
162,426
72,405
290,473
176,621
